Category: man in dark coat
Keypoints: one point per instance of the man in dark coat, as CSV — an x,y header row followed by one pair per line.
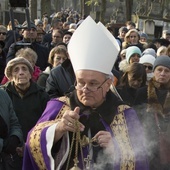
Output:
x,y
29,36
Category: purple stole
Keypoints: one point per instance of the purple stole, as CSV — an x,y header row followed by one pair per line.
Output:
x,y
129,148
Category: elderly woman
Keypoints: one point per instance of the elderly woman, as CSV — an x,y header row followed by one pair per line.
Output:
x,y
28,98
31,56
57,56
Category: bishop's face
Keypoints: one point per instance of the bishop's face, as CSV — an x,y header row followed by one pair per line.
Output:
x,y
92,87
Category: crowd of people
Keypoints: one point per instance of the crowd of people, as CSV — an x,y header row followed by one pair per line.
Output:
x,y
74,95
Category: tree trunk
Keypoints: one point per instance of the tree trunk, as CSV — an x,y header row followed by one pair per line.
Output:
x,y
74,2
103,10
129,5
46,7
33,9
82,7
58,5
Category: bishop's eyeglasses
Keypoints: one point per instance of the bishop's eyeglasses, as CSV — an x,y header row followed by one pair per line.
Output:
x,y
90,88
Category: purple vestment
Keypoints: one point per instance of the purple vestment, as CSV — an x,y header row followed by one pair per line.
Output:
x,y
125,128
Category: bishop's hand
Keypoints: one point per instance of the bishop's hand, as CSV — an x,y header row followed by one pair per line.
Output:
x,y
67,123
103,138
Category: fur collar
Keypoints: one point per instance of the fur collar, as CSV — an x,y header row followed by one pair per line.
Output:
x,y
153,102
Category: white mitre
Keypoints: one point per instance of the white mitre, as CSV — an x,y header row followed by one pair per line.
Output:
x,y
93,47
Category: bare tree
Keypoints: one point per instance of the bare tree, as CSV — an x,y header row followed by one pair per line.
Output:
x,y
33,9
102,5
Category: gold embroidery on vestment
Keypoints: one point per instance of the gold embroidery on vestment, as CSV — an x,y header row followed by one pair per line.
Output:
x,y
35,137
120,132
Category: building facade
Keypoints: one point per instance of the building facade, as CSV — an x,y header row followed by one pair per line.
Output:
x,y
6,11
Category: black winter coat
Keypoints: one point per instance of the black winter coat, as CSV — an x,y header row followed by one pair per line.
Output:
x,y
29,108
128,94
41,51
60,80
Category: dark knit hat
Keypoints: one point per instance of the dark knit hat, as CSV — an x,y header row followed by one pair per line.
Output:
x,y
163,60
15,61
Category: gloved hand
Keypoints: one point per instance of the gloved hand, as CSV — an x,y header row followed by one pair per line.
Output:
x,y
3,128
10,144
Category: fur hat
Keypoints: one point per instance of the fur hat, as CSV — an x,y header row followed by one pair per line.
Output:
x,y
163,60
15,61
147,58
132,50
